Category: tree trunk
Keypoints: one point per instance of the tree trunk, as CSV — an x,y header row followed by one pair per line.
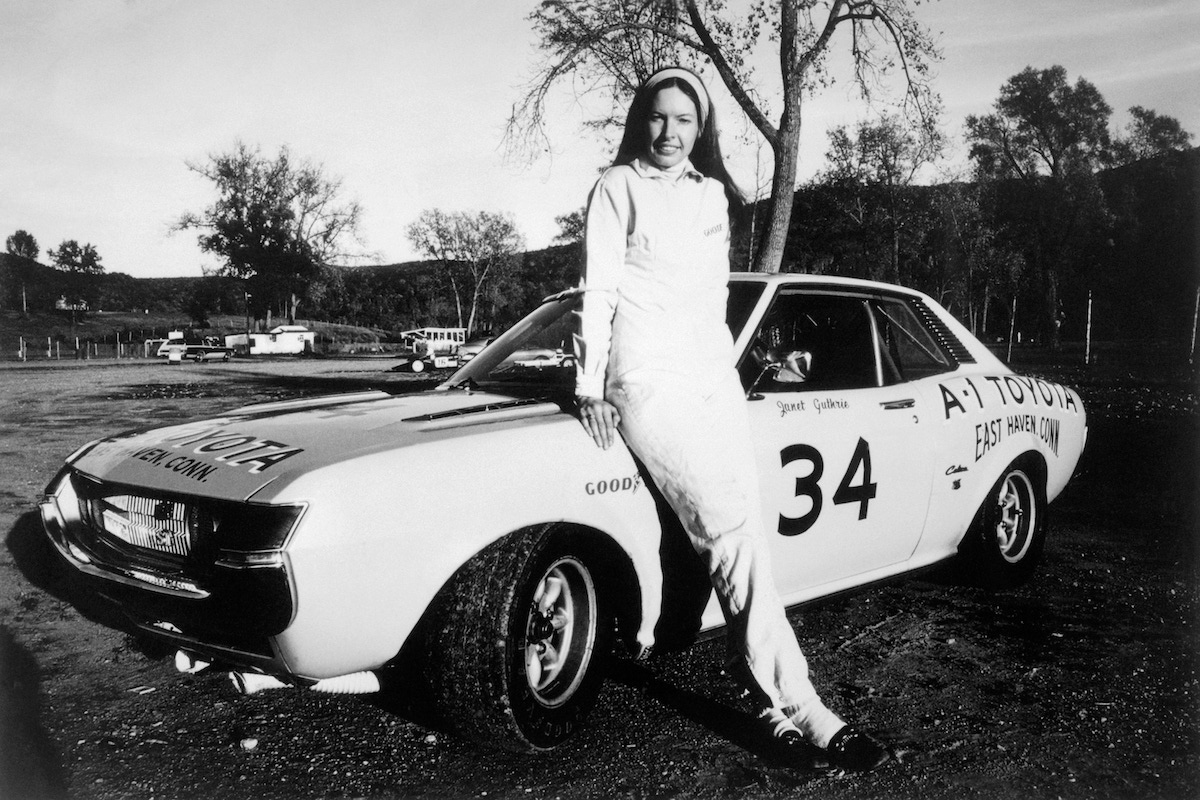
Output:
x,y
457,300
783,191
1052,310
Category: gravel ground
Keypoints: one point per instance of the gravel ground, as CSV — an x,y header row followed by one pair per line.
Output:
x,y
1081,684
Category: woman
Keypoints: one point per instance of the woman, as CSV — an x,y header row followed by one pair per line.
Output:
x,y
655,362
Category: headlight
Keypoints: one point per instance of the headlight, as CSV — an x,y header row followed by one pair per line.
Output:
x,y
197,529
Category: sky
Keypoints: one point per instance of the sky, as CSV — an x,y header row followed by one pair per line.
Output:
x,y
105,102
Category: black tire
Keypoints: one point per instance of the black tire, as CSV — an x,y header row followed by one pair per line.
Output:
x,y
510,665
1006,539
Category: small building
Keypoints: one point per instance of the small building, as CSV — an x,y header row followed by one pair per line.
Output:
x,y
281,340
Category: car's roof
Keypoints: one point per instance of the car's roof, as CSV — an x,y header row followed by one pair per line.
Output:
x,y
794,279
821,280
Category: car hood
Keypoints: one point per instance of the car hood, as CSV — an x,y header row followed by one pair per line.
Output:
x,y
234,456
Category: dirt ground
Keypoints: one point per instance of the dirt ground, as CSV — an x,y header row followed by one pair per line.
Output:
x,y
1081,684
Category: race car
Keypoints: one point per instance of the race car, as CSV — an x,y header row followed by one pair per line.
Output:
x,y
308,542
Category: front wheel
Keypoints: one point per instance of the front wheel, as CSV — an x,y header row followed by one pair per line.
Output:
x,y
1007,537
519,640
417,366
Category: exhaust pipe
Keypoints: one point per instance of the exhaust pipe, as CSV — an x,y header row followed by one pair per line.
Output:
x,y
354,683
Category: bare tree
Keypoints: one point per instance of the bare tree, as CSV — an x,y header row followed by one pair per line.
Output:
x,y
472,249
610,47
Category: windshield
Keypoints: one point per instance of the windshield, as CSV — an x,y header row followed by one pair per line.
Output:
x,y
536,356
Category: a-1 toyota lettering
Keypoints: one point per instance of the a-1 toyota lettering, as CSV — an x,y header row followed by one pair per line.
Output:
x,y
312,542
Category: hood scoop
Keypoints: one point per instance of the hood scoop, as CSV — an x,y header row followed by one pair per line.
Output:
x,y
485,412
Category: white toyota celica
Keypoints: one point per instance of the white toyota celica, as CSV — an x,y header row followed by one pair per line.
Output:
x,y
322,542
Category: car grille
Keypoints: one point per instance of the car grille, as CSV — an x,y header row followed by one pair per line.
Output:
x,y
155,524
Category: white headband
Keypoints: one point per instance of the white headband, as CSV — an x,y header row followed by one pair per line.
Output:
x,y
691,79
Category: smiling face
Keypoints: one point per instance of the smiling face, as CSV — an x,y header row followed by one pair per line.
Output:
x,y
672,127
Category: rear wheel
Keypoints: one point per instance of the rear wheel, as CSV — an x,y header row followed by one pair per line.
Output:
x,y
1007,537
519,640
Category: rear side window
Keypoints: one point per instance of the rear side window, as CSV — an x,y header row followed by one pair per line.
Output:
x,y
908,349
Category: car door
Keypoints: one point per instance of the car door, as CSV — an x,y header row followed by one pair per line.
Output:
x,y
845,476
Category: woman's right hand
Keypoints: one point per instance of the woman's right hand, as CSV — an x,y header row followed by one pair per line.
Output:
x,y
600,419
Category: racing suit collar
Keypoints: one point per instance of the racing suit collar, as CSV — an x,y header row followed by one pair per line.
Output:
x,y
684,168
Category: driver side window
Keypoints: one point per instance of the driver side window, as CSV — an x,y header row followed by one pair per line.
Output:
x,y
813,342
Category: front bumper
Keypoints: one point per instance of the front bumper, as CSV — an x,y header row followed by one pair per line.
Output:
x,y
172,581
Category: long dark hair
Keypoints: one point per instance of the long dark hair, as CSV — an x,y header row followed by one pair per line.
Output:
x,y
705,156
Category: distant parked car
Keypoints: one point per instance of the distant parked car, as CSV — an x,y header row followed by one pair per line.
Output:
x,y
313,542
541,358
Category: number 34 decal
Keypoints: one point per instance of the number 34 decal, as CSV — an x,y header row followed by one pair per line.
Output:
x,y
862,492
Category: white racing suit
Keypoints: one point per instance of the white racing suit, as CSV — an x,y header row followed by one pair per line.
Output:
x,y
653,342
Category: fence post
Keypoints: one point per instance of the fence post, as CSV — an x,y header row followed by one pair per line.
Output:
x,y
1195,313
1087,347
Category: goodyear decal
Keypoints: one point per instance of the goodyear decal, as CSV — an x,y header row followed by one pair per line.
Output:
x,y
1006,392
207,450
614,485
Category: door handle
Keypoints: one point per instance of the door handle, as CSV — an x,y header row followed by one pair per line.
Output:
x,y
894,405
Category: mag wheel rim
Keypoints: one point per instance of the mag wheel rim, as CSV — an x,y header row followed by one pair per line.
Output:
x,y
560,631
1016,516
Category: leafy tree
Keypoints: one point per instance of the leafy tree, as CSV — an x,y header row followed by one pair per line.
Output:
x,y
472,249
83,267
1041,125
1038,151
70,257
609,47
275,223
1149,134
22,244
570,227
868,172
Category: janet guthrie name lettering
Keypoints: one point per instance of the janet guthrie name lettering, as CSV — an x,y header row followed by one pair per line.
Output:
x,y
818,404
